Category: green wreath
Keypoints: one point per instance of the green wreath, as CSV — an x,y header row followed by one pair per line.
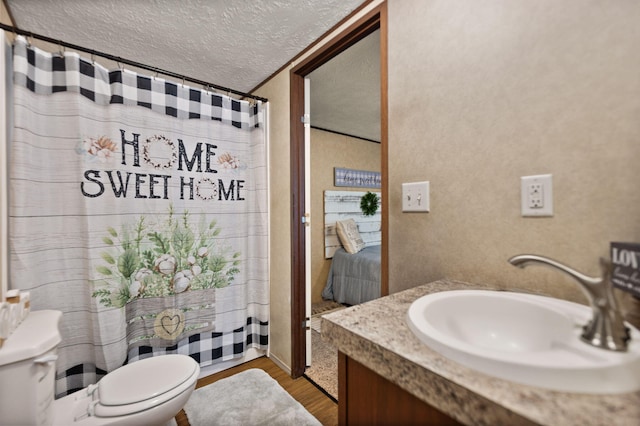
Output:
x,y
369,204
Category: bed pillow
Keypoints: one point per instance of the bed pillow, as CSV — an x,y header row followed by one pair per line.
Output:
x,y
349,236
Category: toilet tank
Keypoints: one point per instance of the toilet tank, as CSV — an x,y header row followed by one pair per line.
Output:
x,y
28,369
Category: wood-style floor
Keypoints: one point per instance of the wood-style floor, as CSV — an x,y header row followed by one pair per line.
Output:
x,y
314,400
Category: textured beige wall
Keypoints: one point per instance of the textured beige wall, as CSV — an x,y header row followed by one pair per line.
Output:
x,y
329,150
277,91
4,15
500,89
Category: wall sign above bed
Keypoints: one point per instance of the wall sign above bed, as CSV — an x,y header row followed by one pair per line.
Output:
x,y
356,178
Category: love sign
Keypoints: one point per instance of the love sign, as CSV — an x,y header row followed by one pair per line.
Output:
x,y
625,260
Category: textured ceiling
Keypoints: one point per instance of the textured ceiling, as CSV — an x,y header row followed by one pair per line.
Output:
x,y
235,44
345,92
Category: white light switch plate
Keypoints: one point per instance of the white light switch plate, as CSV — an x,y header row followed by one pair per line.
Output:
x,y
415,197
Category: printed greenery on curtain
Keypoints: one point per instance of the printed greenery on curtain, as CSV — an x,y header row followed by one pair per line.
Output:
x,y
163,260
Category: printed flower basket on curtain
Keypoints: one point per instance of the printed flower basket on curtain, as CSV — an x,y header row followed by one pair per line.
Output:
x,y
166,276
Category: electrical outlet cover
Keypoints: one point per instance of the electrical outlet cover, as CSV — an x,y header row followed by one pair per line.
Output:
x,y
536,196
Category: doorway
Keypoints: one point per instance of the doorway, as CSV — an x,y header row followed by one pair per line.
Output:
x,y
374,20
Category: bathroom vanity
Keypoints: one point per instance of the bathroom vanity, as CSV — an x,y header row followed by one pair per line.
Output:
x,y
387,376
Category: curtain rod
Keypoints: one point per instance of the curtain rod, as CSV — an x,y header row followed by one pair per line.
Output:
x,y
17,30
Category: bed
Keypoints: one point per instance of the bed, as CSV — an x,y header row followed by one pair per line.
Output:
x,y
354,275
354,278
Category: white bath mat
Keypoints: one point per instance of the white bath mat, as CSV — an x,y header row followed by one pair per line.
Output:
x,y
251,397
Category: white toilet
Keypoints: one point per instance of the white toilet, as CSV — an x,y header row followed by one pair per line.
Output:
x,y
146,392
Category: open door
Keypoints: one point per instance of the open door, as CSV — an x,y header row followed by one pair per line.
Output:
x,y
307,216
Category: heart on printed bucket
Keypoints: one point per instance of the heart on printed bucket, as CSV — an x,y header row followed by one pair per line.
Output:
x,y
169,324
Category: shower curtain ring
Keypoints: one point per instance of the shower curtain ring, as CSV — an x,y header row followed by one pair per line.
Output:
x,y
60,49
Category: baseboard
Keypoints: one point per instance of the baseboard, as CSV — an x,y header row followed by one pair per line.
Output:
x,y
279,363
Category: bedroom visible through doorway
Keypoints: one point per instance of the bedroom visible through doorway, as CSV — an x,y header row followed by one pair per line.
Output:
x,y
368,24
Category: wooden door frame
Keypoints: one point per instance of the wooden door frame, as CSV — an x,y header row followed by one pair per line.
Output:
x,y
373,20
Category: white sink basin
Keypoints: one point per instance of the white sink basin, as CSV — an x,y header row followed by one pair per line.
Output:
x,y
529,339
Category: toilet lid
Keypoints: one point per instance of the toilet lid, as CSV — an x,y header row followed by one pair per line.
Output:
x,y
144,384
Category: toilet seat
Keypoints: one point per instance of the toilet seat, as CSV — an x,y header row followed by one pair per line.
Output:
x,y
143,385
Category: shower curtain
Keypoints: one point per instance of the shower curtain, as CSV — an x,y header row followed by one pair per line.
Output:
x,y
138,208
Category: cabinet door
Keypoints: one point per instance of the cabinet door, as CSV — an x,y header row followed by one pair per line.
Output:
x,y
365,398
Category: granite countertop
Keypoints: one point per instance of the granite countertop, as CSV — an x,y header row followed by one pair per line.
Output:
x,y
376,335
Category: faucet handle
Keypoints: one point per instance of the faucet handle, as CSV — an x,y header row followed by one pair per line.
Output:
x,y
607,328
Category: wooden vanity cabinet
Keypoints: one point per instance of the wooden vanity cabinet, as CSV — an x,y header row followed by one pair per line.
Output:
x,y
366,398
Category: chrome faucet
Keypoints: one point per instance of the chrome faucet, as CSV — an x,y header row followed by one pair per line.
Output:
x,y
606,329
